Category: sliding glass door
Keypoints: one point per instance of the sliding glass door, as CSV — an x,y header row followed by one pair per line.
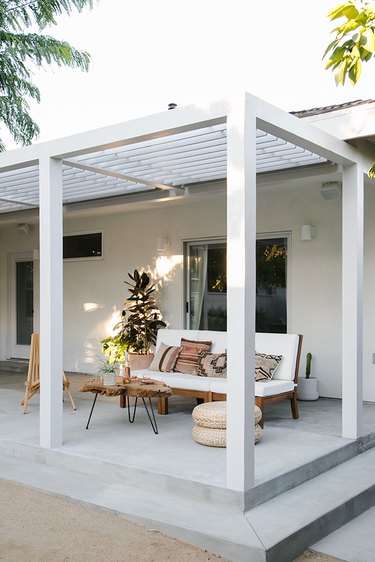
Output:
x,y
206,284
206,304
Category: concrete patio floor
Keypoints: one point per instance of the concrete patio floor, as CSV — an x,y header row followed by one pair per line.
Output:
x,y
173,452
170,479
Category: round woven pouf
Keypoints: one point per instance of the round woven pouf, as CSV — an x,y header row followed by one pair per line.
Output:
x,y
211,422
210,436
211,414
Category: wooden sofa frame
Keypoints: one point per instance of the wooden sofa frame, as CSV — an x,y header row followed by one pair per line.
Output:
x,y
260,401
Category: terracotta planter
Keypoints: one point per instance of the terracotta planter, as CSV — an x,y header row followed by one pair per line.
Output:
x,y
140,361
308,389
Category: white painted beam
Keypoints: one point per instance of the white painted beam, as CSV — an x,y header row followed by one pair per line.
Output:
x,y
117,175
352,301
51,302
283,125
241,232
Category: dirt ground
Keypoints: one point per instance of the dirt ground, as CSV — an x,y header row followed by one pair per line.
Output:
x,y
41,527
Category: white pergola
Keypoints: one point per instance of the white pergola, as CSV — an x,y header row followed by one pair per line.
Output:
x,y
162,156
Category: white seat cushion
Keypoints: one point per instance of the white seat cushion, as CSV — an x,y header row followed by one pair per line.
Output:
x,y
261,388
177,380
190,382
273,387
218,385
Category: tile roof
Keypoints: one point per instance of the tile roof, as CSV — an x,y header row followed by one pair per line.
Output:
x,y
328,108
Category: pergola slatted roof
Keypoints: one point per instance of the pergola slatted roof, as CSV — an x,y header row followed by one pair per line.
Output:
x,y
170,162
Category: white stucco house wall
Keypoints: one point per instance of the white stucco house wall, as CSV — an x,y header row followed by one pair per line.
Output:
x,y
288,195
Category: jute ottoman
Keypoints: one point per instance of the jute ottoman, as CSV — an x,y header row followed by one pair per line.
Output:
x,y
211,422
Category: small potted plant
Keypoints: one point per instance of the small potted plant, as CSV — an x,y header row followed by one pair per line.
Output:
x,y
108,371
308,386
140,320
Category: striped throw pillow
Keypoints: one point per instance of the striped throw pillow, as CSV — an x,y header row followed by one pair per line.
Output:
x,y
188,360
165,358
265,366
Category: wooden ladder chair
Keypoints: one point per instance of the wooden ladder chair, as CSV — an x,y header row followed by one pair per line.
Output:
x,y
32,382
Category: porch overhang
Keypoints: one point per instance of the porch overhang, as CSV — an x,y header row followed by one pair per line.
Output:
x,y
233,140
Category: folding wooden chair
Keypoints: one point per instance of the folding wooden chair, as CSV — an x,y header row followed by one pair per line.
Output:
x,y
32,382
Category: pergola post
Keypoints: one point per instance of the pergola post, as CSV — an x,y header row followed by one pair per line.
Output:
x,y
51,302
352,301
241,233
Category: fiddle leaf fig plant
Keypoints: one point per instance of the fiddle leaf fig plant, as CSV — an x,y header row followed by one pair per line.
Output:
x,y
140,320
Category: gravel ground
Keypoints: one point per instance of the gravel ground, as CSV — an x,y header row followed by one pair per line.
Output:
x,y
41,527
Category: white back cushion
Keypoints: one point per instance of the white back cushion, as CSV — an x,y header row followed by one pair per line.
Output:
x,y
219,340
280,344
173,337
272,344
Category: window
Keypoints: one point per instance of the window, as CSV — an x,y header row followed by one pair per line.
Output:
x,y
271,285
206,285
78,246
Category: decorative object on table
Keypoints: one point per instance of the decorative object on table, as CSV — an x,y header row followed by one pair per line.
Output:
x,y
140,320
211,424
308,387
127,375
32,382
108,372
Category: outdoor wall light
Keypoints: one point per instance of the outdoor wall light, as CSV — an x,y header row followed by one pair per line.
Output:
x,y
308,231
23,229
164,245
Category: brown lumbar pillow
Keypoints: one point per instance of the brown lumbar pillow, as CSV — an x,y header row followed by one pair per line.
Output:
x,y
188,359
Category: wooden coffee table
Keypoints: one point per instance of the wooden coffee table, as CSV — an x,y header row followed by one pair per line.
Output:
x,y
137,388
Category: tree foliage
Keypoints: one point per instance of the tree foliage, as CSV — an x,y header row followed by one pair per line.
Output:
x,y
354,43
23,50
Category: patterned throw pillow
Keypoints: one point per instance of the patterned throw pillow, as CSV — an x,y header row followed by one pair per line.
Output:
x,y
165,358
188,359
212,364
265,366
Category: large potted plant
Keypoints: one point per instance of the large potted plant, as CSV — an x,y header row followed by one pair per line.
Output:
x,y
308,387
137,330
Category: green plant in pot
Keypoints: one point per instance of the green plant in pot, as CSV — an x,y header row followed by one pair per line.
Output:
x,y
140,320
308,387
108,371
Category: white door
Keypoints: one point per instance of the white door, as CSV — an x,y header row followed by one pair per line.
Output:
x,y
21,304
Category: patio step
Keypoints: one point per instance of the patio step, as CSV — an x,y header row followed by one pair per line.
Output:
x,y
216,528
290,523
275,531
14,365
273,487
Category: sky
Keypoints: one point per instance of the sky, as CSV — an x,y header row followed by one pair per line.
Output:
x,y
148,53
